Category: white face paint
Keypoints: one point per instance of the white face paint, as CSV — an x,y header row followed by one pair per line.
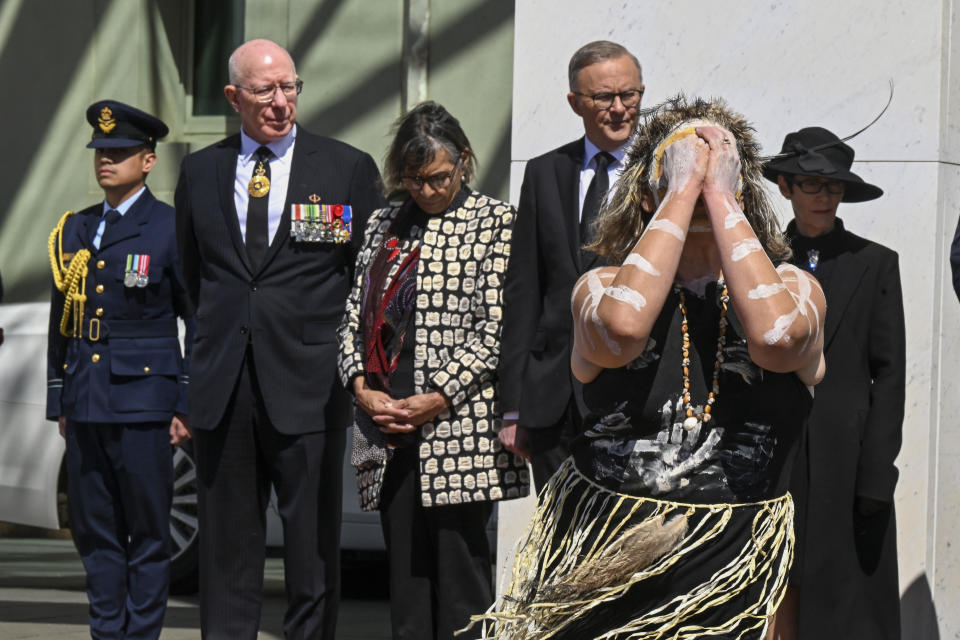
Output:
x,y
588,312
638,261
668,226
743,248
623,293
766,290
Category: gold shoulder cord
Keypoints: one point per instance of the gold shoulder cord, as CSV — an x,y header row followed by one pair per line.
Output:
x,y
71,281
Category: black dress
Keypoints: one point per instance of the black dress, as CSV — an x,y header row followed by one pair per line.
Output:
x,y
651,530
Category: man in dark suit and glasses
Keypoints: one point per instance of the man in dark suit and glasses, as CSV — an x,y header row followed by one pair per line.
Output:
x,y
561,194
268,224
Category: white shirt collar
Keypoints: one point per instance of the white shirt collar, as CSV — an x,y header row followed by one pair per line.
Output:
x,y
591,150
280,148
124,206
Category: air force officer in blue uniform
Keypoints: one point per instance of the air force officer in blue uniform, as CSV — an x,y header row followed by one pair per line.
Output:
x,y
116,380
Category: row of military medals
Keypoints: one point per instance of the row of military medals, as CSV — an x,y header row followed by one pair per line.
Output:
x,y
135,275
308,222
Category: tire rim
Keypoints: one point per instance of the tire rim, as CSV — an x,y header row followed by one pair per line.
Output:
x,y
183,514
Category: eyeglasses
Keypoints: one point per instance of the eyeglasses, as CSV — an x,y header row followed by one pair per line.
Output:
x,y
437,181
266,94
628,99
812,186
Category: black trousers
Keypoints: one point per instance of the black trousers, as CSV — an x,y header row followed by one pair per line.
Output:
x,y
238,462
440,564
121,487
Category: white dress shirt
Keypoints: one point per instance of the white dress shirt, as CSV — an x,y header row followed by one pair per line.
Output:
x,y
280,165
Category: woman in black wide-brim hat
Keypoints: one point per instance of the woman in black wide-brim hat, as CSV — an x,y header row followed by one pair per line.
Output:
x,y
845,574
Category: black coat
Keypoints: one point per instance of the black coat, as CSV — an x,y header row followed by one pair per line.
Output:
x,y
535,376
846,560
290,307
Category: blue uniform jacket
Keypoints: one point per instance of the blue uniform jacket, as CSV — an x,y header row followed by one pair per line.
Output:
x,y
127,366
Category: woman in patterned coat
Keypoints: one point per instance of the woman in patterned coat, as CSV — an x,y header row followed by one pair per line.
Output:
x,y
419,348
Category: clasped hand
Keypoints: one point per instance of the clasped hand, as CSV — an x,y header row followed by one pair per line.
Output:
x,y
401,415
703,163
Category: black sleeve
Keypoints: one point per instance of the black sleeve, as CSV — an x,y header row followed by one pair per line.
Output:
x,y
366,196
955,260
189,252
521,298
883,432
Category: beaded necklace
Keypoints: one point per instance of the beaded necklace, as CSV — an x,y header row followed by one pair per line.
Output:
x,y
697,415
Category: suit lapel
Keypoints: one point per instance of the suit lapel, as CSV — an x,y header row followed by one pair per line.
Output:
x,y
226,176
847,273
128,226
569,162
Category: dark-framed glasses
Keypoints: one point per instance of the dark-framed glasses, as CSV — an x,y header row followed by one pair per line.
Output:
x,y
266,94
437,181
628,99
811,186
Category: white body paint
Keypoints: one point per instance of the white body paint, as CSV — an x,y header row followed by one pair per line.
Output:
x,y
623,293
766,290
638,261
668,226
744,248
802,300
734,218
589,315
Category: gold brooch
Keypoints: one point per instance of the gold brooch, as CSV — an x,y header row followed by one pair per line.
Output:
x,y
107,121
314,198
259,185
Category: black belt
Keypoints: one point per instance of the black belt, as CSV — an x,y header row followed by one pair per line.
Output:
x,y
98,329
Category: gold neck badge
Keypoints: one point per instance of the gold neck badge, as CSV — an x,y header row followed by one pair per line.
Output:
x,y
259,184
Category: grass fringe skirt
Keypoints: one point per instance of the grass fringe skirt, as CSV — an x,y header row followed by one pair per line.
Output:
x,y
594,563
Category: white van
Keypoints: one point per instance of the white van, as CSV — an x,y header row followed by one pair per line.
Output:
x,y
33,479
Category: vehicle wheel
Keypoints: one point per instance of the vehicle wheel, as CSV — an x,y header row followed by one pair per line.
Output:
x,y
184,524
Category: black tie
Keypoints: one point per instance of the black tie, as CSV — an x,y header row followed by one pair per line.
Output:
x,y
111,217
595,195
258,212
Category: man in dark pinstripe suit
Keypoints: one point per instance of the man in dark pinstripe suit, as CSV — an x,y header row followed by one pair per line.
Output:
x,y
269,410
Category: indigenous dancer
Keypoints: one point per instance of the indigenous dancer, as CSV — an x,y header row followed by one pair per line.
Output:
x,y
672,519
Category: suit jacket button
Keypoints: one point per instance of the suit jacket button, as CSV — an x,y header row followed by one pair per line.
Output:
x,y
146,369
99,312
101,264
95,357
254,285
64,366
99,288
243,328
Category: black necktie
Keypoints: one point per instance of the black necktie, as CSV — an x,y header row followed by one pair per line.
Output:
x,y
111,217
595,195
258,212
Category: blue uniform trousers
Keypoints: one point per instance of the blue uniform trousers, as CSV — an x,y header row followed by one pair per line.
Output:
x,y
121,486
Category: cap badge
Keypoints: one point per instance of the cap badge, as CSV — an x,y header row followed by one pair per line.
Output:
x,y
107,122
314,198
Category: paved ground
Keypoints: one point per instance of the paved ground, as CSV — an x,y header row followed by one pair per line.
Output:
x,y
42,597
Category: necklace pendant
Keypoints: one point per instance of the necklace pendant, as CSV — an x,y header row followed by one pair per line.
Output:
x,y
690,423
813,259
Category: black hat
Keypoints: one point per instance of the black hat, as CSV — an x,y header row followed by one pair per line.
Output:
x,y
814,151
119,125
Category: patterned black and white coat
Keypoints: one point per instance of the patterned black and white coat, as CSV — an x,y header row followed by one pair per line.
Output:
x,y
459,309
